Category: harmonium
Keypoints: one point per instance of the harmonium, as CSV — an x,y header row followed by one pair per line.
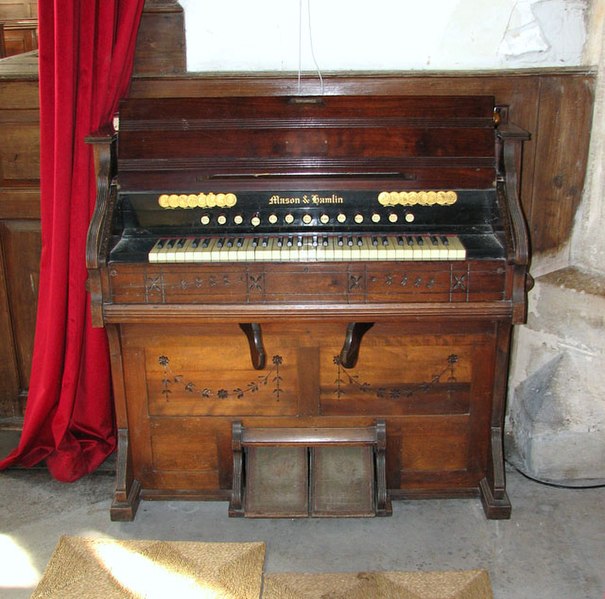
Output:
x,y
309,300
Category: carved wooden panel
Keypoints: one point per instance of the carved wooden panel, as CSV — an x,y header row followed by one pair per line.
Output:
x,y
18,9
20,36
19,229
432,382
293,283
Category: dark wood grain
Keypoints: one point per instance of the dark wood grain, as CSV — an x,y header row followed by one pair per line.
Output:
x,y
20,239
434,355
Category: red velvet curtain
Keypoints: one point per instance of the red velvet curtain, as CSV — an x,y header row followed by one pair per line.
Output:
x,y
86,55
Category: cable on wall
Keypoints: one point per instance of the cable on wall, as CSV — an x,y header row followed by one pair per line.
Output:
x,y
300,37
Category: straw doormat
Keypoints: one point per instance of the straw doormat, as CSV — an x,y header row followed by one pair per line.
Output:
x,y
469,584
91,568
104,568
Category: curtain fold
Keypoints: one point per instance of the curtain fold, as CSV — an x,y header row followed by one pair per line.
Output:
x,y
86,53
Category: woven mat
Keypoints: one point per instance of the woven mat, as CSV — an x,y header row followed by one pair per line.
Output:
x,y
92,568
470,584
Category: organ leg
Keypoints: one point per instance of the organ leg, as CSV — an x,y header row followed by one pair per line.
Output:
x,y
350,350
254,334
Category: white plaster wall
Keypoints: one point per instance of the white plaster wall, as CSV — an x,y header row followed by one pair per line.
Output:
x,y
588,240
339,35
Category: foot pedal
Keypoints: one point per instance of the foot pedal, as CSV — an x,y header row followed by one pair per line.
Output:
x,y
301,472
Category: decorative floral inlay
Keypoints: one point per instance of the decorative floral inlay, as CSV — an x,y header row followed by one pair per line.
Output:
x,y
255,282
345,378
153,284
403,279
459,282
355,282
170,379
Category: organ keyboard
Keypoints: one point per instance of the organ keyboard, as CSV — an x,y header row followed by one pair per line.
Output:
x,y
309,262
360,226
315,248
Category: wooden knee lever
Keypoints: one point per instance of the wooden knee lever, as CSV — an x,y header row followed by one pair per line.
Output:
x,y
350,350
254,334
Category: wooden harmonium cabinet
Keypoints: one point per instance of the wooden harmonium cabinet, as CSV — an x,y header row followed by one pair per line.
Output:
x,y
307,264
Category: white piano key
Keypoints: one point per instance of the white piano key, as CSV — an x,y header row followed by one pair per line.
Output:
x,y
246,252
181,249
165,253
153,252
171,250
210,251
263,250
190,249
456,249
202,252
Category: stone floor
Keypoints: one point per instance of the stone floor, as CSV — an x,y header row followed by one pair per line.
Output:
x,y
553,547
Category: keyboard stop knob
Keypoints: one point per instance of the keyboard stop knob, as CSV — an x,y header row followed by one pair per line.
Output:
x,y
255,220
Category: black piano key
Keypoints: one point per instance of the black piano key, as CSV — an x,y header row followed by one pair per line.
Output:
x,y
400,240
444,240
220,243
374,241
419,240
265,242
410,240
280,242
255,242
341,241
325,242
240,242
230,242
350,241
206,243
290,242
434,240
359,241
385,241
195,242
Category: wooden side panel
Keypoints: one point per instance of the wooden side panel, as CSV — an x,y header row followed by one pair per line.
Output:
x,y
18,9
21,244
161,38
20,36
9,368
561,142
19,231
